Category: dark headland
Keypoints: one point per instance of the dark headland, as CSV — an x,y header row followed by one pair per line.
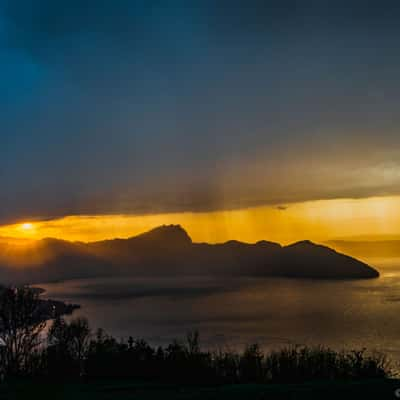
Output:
x,y
169,251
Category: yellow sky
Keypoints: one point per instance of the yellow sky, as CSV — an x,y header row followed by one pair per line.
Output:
x,y
314,220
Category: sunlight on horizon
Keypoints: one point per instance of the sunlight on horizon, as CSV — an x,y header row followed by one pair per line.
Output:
x,y
27,227
315,220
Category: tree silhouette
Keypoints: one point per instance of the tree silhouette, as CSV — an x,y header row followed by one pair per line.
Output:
x,y
251,364
70,341
22,321
193,342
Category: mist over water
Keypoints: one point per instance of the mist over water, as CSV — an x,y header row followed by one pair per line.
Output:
x,y
235,311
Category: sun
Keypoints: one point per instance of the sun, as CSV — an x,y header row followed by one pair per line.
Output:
x,y
27,227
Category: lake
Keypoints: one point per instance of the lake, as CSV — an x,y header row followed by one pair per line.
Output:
x,y
232,312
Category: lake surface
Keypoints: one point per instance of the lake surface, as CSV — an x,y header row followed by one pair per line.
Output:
x,y
230,313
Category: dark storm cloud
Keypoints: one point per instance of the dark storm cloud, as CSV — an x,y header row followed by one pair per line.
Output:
x,y
247,16
152,106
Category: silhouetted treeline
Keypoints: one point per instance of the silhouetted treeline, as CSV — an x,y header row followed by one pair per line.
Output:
x,y
69,350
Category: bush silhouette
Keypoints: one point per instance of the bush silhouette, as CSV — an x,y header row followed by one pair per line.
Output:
x,y
299,364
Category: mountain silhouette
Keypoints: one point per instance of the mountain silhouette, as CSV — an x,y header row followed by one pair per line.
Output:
x,y
169,251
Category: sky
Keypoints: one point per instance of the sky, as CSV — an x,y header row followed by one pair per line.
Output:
x,y
322,220
145,112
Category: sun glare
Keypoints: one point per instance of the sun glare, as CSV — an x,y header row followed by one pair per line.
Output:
x,y
27,227
315,220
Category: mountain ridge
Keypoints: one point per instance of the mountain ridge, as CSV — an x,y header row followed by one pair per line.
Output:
x,y
169,250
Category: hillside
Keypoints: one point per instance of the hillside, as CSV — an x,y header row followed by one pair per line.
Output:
x,y
169,251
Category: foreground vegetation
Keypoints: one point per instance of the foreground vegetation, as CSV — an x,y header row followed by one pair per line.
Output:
x,y
68,352
129,390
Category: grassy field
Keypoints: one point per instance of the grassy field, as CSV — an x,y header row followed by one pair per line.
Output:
x,y
126,390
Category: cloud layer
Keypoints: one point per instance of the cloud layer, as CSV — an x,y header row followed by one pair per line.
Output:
x,y
140,107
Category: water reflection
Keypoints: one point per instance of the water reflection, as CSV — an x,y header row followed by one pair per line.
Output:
x,y
233,312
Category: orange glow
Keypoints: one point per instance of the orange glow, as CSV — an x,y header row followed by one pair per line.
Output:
x,y
315,220
27,226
